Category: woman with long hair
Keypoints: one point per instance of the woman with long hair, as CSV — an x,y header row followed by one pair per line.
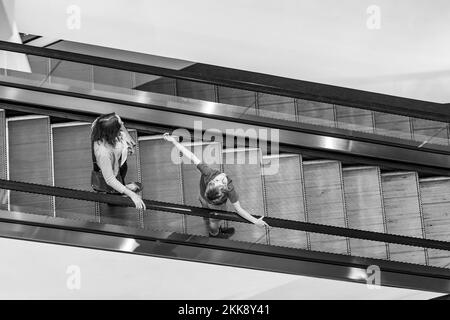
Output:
x,y
111,144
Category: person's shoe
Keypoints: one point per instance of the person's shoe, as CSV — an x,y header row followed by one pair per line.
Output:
x,y
224,233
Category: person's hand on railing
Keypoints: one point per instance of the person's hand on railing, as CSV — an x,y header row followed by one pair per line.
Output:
x,y
138,202
260,223
168,137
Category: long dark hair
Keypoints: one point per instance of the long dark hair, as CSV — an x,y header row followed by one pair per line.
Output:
x,y
106,128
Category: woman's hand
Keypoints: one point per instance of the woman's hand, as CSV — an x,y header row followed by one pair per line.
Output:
x,y
168,137
260,223
138,202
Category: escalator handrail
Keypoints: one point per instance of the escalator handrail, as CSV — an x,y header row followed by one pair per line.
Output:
x,y
260,83
222,215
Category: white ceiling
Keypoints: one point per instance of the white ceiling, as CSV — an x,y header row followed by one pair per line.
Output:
x,y
324,41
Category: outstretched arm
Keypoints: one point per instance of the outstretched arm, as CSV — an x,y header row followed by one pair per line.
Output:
x,y
244,214
187,153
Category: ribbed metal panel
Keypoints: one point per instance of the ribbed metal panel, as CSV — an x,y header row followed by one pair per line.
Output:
x,y
325,203
72,169
365,209
435,195
161,180
403,213
285,198
29,160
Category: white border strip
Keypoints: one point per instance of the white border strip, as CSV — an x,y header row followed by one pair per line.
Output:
x,y
28,117
279,156
359,168
70,124
319,161
388,174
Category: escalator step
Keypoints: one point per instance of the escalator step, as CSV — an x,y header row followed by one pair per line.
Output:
x,y
161,180
325,203
403,213
72,168
435,195
285,197
30,160
363,199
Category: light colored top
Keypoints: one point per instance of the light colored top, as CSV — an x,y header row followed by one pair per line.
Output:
x,y
108,158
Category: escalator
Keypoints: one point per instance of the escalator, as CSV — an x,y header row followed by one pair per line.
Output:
x,y
377,180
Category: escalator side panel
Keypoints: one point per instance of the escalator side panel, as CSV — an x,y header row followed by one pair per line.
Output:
x,y
161,180
151,83
272,106
325,203
435,196
433,131
237,97
354,119
72,74
30,160
285,199
195,90
111,80
72,169
318,113
392,125
364,202
403,214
